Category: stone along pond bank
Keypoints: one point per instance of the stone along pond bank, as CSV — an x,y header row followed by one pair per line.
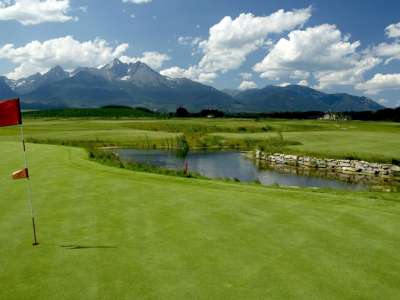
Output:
x,y
343,169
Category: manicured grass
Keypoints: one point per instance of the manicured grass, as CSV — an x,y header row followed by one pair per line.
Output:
x,y
362,144
108,233
373,141
112,132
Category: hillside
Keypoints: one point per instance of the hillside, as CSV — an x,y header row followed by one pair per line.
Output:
x,y
136,84
5,89
301,98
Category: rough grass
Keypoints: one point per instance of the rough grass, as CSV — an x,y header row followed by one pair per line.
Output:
x,y
109,158
378,146
108,233
372,141
111,112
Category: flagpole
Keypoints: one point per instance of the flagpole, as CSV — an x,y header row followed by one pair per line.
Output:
x,y
29,187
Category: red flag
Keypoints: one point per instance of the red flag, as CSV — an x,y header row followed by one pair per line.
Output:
x,y
20,174
10,113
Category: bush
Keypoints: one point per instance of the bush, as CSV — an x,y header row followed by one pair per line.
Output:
x,y
182,146
112,159
182,112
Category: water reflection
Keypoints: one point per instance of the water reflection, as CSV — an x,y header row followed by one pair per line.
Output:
x,y
232,165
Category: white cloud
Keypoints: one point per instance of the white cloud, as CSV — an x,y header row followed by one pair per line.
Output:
x,y
246,85
393,30
284,84
379,83
137,1
303,82
33,12
389,103
83,9
189,40
246,76
321,51
381,101
192,73
231,40
65,51
388,51
152,58
175,72
350,76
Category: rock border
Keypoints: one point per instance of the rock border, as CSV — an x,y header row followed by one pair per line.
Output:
x,y
344,166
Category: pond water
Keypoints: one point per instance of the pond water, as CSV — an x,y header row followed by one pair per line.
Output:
x,y
232,165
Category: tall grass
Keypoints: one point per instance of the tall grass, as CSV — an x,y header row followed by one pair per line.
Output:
x,y
104,113
111,158
182,144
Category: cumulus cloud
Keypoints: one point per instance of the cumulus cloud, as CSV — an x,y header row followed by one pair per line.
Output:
x,y
393,30
379,83
83,9
33,12
152,58
189,40
350,76
66,51
303,82
191,73
231,40
389,51
321,51
246,76
137,1
246,85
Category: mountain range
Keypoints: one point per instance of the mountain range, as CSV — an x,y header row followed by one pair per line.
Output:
x,y
136,84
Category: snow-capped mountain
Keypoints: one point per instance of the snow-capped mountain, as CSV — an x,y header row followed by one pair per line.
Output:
x,y
5,89
121,83
26,85
137,73
136,84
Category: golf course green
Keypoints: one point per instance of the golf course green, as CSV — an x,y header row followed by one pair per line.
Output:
x,y
110,233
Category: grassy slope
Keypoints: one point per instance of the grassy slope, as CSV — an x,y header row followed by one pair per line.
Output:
x,y
375,141
116,132
334,135
114,234
338,143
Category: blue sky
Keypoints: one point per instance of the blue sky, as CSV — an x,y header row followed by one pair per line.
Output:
x,y
335,46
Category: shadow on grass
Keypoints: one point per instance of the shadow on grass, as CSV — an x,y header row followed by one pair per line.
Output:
x,y
80,247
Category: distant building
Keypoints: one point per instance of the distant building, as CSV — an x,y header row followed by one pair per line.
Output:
x,y
335,116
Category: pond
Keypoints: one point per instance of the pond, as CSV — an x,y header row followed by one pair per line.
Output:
x,y
231,165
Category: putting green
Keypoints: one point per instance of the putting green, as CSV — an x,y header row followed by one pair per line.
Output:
x,y
108,233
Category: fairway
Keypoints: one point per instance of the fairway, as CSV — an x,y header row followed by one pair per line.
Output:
x,y
199,150
108,233
371,141
369,145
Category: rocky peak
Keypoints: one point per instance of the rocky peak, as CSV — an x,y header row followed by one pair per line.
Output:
x,y
56,72
115,69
